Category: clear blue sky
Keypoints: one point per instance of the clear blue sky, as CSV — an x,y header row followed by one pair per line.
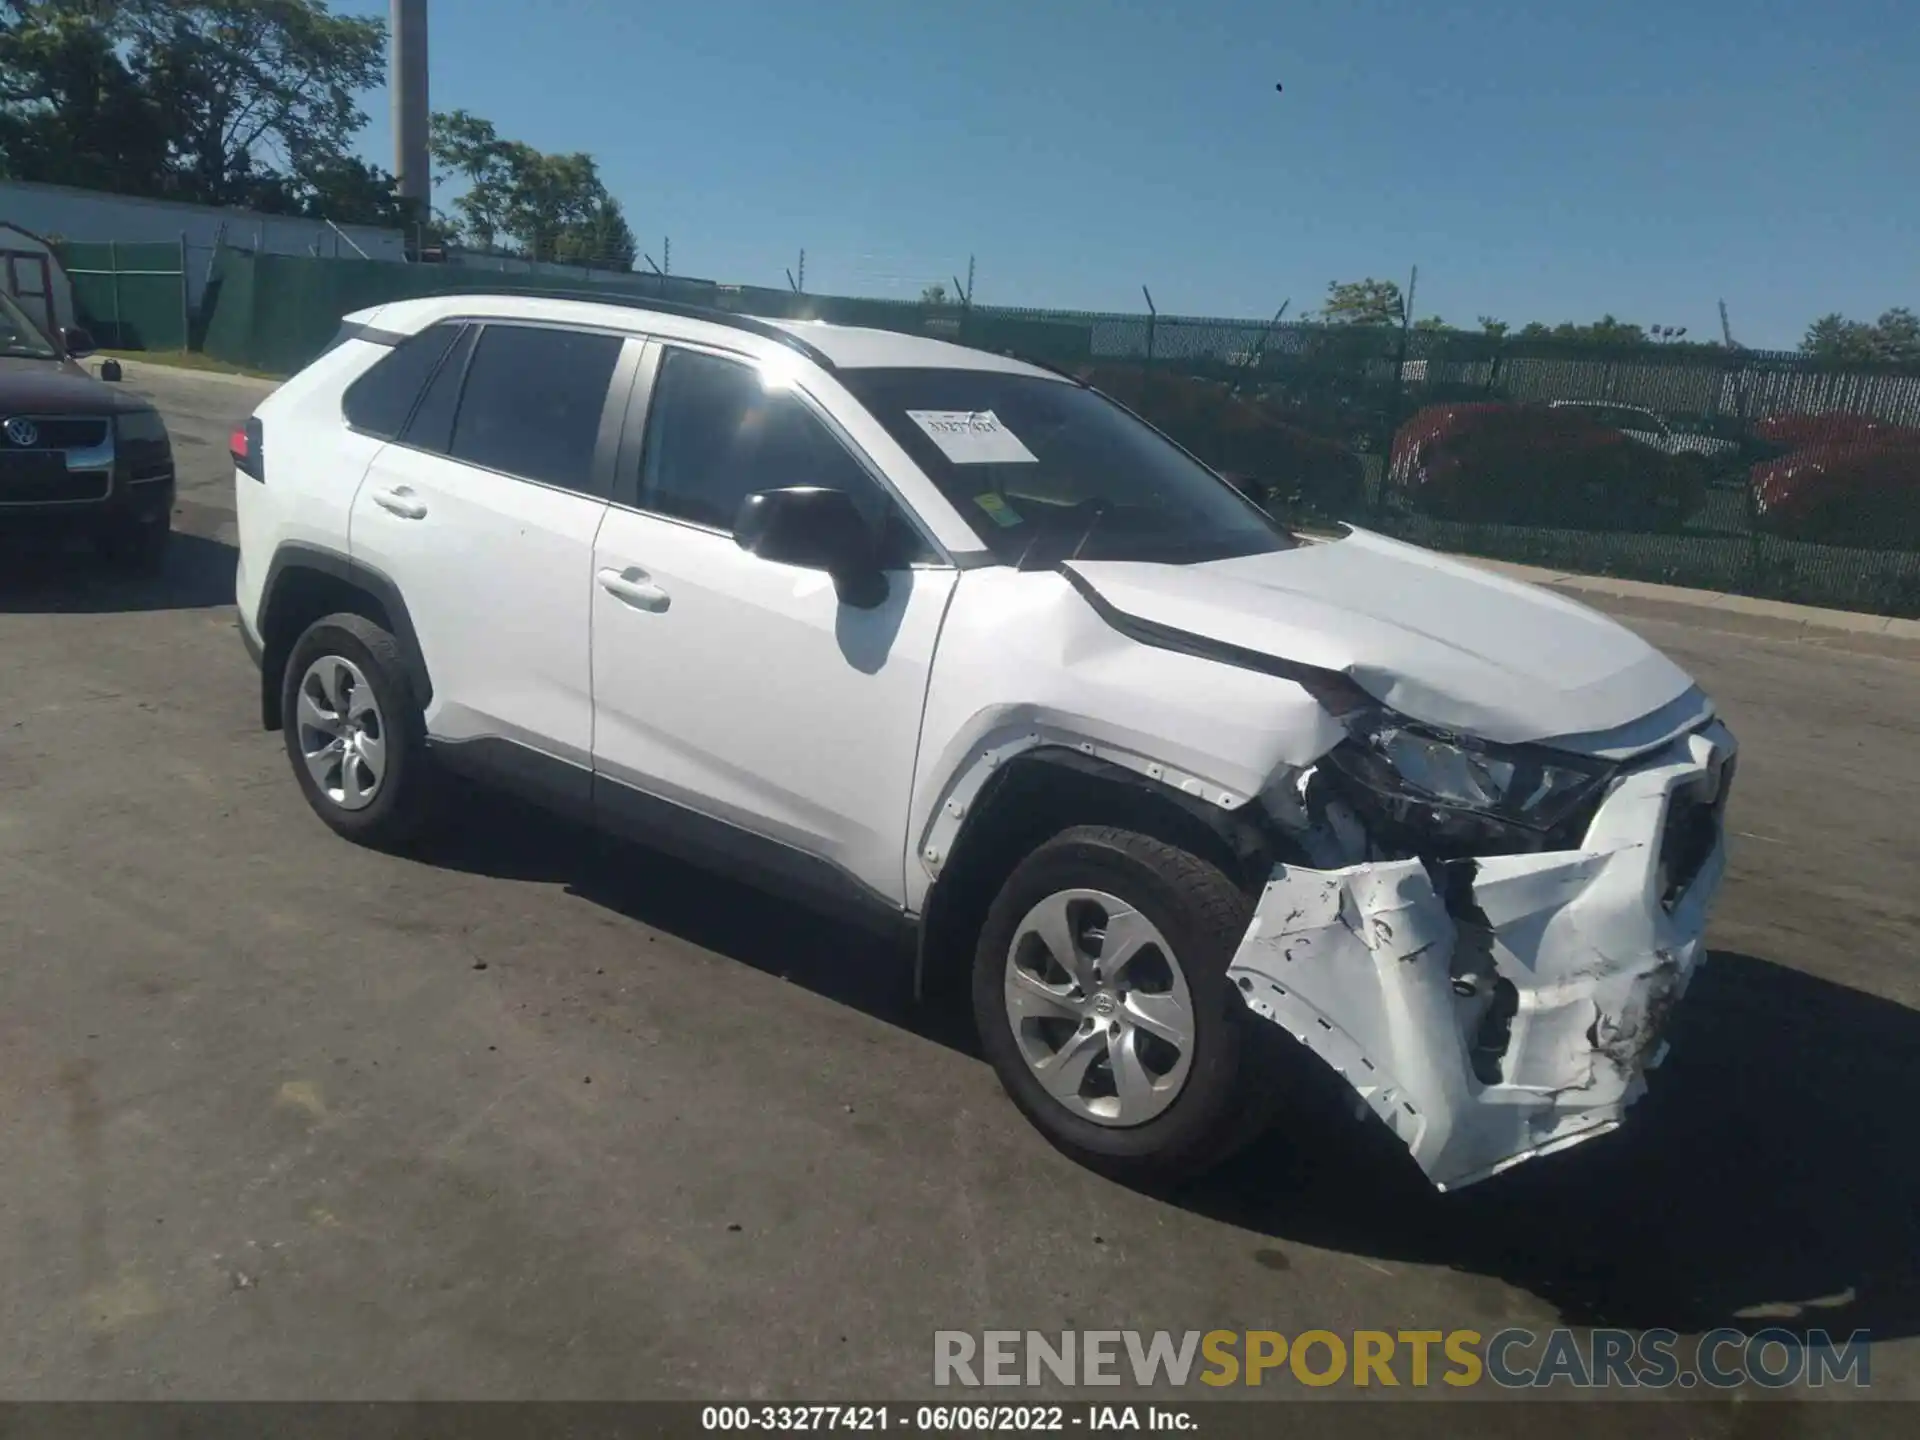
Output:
x,y
1537,159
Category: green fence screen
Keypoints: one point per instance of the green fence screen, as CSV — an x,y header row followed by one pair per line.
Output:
x,y
131,296
1758,473
276,312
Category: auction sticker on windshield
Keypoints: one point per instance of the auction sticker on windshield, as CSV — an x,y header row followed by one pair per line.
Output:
x,y
973,437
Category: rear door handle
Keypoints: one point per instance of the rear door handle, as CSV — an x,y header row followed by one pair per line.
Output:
x,y
402,502
634,587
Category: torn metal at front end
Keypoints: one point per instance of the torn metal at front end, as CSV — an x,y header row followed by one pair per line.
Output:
x,y
1493,1010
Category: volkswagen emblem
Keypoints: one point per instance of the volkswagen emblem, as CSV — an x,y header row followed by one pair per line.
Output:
x,y
23,432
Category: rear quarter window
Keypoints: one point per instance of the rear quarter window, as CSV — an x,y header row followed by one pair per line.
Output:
x,y
379,402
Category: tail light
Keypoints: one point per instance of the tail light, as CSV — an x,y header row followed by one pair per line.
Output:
x,y
244,445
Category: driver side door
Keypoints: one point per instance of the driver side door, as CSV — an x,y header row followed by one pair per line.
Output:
x,y
742,711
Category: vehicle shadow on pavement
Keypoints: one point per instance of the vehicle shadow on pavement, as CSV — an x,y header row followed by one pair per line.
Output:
x,y
1767,1179
501,837
49,580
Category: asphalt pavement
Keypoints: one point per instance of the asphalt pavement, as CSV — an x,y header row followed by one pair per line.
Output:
x,y
535,1116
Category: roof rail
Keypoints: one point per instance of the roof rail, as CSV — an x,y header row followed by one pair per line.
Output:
x,y
751,324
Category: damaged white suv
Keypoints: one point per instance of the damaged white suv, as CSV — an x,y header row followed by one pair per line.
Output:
x,y
957,646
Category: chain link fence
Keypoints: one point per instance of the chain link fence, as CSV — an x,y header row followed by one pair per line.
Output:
x,y
130,295
1750,472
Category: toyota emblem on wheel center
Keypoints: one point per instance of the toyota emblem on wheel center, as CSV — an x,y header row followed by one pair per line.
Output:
x,y
23,432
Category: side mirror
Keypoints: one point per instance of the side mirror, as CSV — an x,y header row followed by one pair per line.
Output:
x,y
817,529
77,342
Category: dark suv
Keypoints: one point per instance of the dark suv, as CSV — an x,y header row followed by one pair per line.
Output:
x,y
77,455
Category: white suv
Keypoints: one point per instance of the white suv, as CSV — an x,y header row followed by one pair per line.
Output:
x,y
957,646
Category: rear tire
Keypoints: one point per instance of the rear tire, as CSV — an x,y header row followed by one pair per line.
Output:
x,y
355,735
1132,1053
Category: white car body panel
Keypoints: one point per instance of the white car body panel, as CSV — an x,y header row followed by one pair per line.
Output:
x,y
807,735
497,575
320,462
1436,639
1024,662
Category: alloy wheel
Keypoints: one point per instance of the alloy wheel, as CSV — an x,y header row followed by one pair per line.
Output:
x,y
1099,1007
342,734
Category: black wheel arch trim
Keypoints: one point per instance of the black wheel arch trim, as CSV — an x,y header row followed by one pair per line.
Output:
x,y
1248,843
296,555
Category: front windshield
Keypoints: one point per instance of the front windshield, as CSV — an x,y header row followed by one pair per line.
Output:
x,y
19,335
1045,470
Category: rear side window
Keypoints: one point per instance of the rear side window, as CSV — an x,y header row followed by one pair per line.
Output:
x,y
532,402
379,402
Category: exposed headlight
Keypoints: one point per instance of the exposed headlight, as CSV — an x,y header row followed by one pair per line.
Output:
x,y
140,425
1454,791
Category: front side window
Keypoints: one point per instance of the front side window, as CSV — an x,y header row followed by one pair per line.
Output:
x,y
532,403
1045,470
379,402
19,335
717,433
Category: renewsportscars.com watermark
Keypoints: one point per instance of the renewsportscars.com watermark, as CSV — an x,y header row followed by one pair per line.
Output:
x,y
1513,1358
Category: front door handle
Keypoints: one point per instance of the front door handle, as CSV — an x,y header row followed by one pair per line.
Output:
x,y
633,587
402,502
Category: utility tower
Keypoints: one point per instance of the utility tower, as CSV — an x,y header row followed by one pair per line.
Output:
x,y
407,83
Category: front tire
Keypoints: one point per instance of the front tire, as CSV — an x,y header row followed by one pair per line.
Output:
x,y
354,733
1101,996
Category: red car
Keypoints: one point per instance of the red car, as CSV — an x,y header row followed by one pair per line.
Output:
x,y
1802,432
1535,464
1239,437
1866,493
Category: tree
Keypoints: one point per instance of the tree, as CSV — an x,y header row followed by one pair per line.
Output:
x,y
1899,335
248,83
934,294
1432,322
1894,337
471,148
71,111
1363,302
551,207
223,102
604,239
1493,329
1605,331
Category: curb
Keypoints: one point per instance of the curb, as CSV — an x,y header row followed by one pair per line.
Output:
x,y
138,368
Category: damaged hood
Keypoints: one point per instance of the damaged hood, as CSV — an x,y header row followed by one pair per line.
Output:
x,y
1438,640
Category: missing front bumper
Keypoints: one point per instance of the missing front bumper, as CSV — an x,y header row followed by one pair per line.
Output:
x,y
1517,1013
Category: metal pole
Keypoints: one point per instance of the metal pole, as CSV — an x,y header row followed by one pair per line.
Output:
x,y
1393,405
1146,370
407,82
186,326
113,266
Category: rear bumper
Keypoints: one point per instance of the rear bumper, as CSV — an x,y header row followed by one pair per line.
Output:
x,y
1492,1011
